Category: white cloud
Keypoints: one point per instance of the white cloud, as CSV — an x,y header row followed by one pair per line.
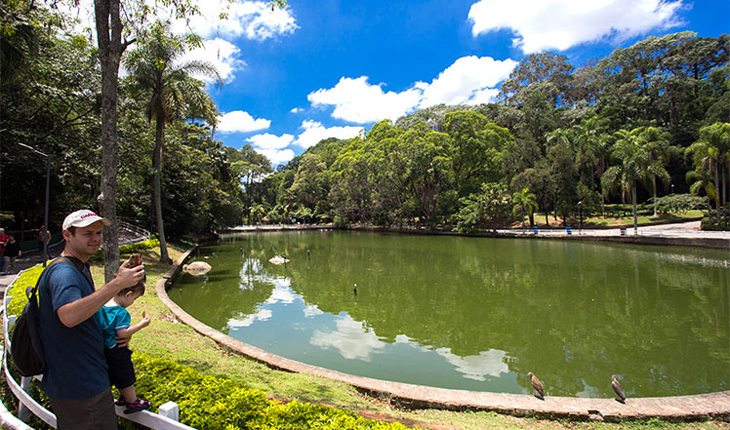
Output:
x,y
469,80
270,141
223,55
273,147
355,100
240,121
314,132
251,19
560,24
277,156
296,110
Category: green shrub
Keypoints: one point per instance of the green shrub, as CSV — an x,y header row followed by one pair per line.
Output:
x,y
129,249
210,402
26,279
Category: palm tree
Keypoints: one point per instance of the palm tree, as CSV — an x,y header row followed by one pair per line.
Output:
x,y
711,155
635,164
173,95
656,141
525,201
591,150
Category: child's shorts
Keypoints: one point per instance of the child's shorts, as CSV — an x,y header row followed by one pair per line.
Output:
x,y
121,369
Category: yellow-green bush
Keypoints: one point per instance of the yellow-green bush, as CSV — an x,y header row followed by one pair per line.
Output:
x,y
26,279
209,402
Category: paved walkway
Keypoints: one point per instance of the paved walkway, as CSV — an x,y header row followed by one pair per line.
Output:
x,y
688,230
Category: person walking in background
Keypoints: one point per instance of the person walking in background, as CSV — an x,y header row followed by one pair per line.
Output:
x,y
76,380
44,238
12,251
3,242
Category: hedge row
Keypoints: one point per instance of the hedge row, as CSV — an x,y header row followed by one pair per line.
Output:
x,y
210,402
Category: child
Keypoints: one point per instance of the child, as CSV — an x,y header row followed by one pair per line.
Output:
x,y
115,321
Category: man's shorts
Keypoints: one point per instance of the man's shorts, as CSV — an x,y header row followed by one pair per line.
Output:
x,y
94,413
121,369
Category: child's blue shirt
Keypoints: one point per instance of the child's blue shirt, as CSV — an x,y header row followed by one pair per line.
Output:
x,y
111,319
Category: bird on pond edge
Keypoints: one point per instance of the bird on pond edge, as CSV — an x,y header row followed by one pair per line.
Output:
x,y
618,389
537,385
354,289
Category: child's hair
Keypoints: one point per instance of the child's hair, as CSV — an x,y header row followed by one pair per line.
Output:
x,y
139,288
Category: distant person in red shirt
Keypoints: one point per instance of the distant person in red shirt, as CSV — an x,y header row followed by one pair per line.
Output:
x,y
4,238
12,251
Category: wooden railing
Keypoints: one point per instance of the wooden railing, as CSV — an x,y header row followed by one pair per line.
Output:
x,y
165,419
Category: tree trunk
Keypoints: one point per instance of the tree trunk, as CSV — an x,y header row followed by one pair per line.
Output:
x,y
633,203
653,184
109,38
157,188
717,190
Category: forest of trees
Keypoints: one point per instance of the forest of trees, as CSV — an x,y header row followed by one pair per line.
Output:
x,y
648,120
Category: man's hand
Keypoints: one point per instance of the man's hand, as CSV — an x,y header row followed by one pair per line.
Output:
x,y
129,277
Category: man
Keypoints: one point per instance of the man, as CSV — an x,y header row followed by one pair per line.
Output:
x,y
76,380
44,237
3,242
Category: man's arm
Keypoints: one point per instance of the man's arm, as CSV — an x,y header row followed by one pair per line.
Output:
x,y
74,313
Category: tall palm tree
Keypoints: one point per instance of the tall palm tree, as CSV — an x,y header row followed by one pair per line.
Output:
x,y
525,202
635,164
173,95
711,158
591,150
656,141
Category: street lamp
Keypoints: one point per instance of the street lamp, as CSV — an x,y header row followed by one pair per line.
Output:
x,y
44,251
672,189
580,218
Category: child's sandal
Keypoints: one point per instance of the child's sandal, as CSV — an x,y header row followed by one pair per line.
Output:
x,y
137,405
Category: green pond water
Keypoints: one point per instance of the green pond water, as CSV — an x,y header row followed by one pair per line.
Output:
x,y
475,313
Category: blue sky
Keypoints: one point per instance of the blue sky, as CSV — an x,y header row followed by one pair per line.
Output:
x,y
333,67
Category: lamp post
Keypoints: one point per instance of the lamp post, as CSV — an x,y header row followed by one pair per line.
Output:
x,y
580,218
44,251
672,185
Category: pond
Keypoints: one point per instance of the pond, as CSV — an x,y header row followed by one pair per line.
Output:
x,y
475,313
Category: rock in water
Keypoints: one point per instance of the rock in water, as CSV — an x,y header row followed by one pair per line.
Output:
x,y
278,260
197,268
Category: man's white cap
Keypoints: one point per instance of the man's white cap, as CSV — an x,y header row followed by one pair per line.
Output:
x,y
82,218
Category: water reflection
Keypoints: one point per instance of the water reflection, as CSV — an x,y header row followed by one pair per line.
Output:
x,y
477,314
352,339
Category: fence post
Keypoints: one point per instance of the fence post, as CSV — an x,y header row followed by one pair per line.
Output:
x,y
169,410
23,412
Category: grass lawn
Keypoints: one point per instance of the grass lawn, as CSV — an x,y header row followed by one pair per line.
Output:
x,y
166,337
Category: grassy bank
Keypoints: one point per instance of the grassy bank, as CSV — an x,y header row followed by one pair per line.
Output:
x,y
169,339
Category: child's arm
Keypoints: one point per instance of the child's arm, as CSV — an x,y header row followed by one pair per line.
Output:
x,y
125,335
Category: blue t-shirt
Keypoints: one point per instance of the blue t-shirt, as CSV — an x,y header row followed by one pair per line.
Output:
x,y
111,319
76,366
